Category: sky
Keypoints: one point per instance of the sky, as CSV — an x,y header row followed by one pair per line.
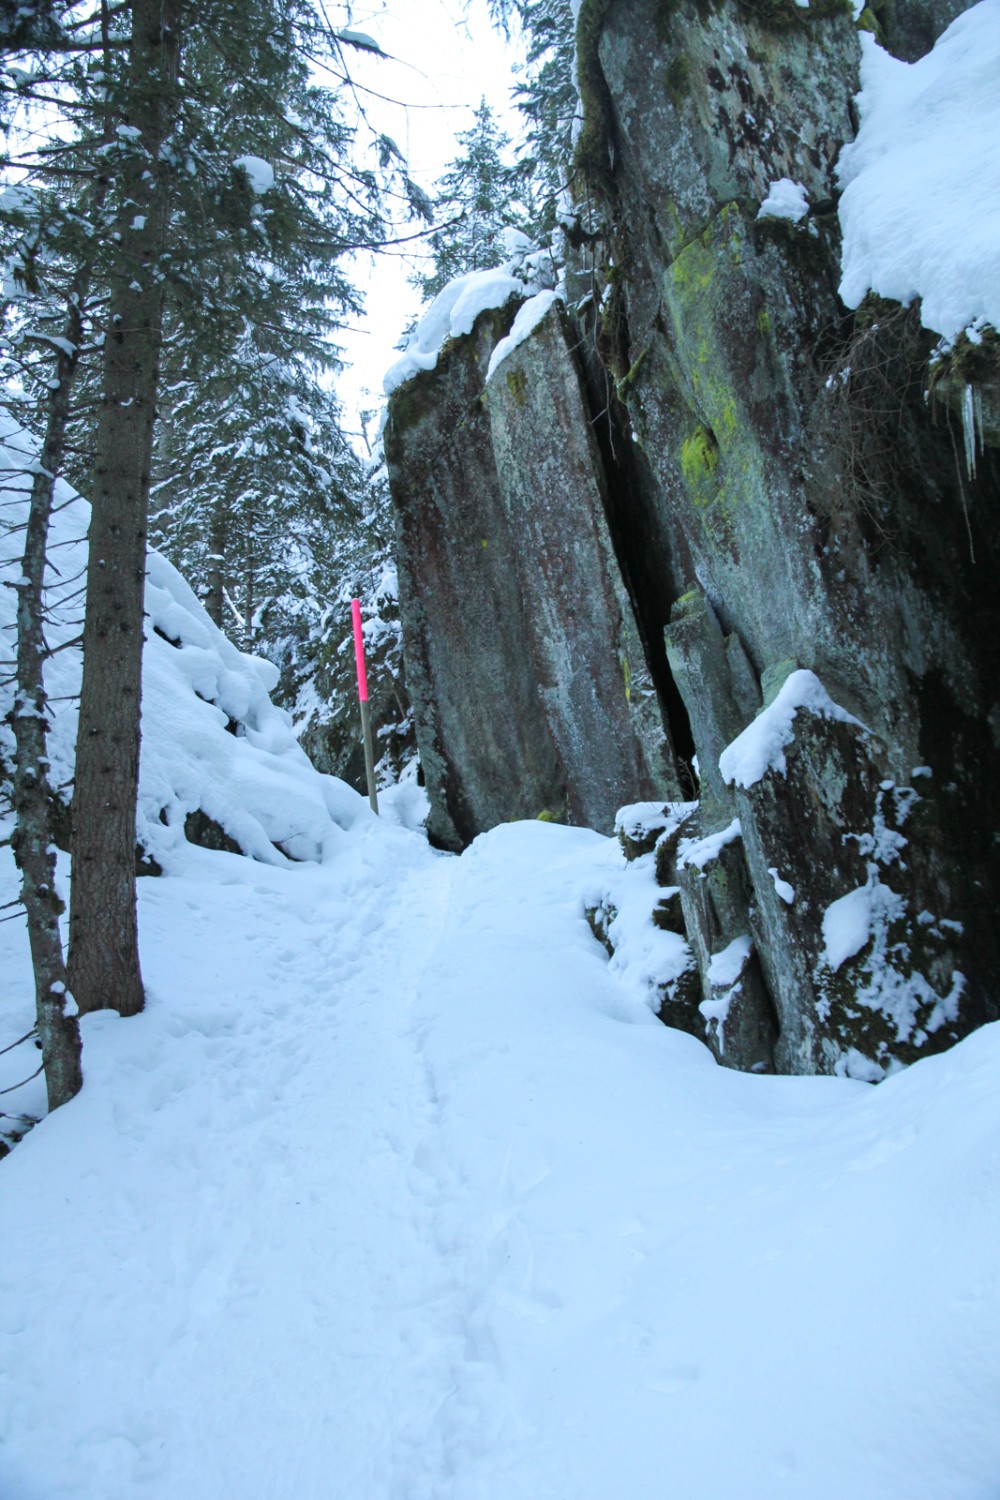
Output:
x,y
444,57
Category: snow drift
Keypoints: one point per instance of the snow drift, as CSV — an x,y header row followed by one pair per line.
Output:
x,y
212,740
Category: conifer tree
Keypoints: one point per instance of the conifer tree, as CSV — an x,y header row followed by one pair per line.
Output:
x,y
546,97
477,198
104,971
216,212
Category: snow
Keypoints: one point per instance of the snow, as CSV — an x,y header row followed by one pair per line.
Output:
x,y
260,173
198,688
359,39
847,926
398,1190
699,852
726,967
725,970
395,1190
761,747
785,200
639,819
920,209
528,318
452,314
646,958
529,273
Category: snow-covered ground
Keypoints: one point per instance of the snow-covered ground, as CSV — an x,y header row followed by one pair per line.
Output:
x,y
397,1192
921,203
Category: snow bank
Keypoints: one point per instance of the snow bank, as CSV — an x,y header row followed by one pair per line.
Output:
x,y
393,1194
761,746
212,740
921,204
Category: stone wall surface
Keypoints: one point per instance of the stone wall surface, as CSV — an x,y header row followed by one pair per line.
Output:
x,y
761,485
582,636
485,745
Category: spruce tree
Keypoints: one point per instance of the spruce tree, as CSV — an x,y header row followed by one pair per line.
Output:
x,y
104,971
477,198
209,225
546,97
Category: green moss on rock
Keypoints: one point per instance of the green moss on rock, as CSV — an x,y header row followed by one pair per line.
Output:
x,y
869,21
677,79
974,361
699,461
517,385
668,915
781,13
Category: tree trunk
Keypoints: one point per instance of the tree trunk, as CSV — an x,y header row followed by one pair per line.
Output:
x,y
104,967
34,852
215,597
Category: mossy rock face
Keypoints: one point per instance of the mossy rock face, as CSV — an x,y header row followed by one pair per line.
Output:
x,y
677,79
594,145
485,747
899,997
666,849
909,28
975,359
738,1023
581,633
966,381
781,13
903,993
517,385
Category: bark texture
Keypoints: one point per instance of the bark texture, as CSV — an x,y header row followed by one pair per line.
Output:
x,y
104,958
34,851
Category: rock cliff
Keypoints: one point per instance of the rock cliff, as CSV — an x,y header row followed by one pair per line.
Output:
x,y
711,507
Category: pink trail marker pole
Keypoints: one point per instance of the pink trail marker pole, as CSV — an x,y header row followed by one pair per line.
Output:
x,y
366,723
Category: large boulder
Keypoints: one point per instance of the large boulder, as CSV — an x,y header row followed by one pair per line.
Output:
x,y
485,744
794,467
525,664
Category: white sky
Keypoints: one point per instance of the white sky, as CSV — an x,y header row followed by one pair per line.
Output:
x,y
449,57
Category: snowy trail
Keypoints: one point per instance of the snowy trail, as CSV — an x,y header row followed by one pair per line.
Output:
x,y
397,1193
263,1171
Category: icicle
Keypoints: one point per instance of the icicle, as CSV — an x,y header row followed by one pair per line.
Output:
x,y
969,429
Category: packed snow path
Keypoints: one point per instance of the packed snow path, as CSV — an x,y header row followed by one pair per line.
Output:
x,y
396,1193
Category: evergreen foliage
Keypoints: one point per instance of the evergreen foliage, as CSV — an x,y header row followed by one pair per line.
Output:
x,y
478,197
546,96
270,185
180,191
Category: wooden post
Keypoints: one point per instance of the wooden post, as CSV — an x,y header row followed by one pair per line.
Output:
x,y
366,723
